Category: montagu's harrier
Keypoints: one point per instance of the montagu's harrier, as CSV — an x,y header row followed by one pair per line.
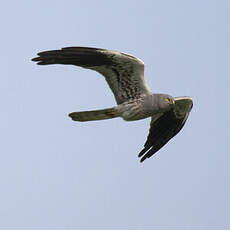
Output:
x,y
125,76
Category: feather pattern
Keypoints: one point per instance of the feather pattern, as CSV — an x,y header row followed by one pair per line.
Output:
x,y
123,73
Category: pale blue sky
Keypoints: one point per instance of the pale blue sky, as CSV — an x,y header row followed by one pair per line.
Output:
x,y
58,174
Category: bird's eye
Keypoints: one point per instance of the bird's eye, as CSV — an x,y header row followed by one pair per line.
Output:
x,y
167,99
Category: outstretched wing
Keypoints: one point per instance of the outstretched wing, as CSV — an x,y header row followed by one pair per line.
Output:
x,y
123,73
166,126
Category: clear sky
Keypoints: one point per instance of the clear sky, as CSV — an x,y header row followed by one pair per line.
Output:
x,y
58,174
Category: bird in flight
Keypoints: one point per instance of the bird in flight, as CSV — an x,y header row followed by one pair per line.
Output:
x,y
125,76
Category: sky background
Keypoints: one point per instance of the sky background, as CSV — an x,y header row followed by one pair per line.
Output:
x,y
58,174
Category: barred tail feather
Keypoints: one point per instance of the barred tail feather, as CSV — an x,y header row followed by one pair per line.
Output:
x,y
94,115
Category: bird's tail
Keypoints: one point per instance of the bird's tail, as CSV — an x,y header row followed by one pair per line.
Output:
x,y
94,115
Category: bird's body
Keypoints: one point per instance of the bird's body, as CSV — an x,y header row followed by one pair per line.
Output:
x,y
143,107
125,76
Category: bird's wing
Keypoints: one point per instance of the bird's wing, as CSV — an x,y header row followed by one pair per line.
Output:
x,y
165,127
123,73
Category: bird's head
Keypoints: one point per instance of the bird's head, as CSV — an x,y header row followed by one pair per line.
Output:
x,y
165,101
158,103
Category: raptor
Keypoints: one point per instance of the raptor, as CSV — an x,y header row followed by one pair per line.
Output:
x,y
125,76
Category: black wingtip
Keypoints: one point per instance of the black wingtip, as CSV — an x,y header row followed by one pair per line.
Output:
x,y
35,59
142,159
71,115
38,61
142,152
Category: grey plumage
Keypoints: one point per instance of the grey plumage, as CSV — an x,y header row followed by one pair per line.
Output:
x,y
125,76
123,73
94,115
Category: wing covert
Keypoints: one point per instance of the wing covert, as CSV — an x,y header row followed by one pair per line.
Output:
x,y
123,73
